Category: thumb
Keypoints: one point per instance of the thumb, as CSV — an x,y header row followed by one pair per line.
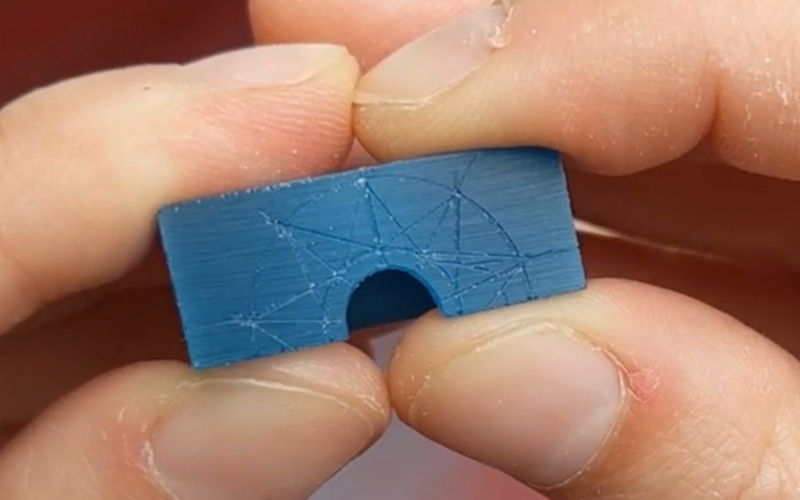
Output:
x,y
620,391
620,85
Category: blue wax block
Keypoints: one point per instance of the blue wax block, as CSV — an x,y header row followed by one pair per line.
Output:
x,y
301,264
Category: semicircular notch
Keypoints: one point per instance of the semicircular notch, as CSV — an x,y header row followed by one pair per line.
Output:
x,y
388,296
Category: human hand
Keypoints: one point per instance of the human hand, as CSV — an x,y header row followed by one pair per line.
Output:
x,y
84,165
626,390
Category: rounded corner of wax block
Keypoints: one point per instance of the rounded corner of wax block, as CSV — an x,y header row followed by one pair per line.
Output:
x,y
162,216
553,155
197,367
198,363
542,158
167,210
165,219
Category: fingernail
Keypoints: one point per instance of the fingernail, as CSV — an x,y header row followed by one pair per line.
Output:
x,y
438,61
272,65
249,439
538,402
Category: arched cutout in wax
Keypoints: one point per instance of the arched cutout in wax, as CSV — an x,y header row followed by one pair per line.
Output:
x,y
385,297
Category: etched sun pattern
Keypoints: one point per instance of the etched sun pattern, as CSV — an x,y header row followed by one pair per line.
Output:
x,y
313,243
389,237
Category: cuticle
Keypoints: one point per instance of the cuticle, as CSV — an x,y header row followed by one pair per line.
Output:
x,y
175,398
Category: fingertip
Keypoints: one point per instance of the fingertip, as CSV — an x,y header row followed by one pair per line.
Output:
x,y
510,383
562,75
275,65
370,29
155,429
133,140
319,408
593,389
292,116
341,370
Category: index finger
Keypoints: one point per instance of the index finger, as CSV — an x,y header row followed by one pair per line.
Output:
x,y
85,164
619,85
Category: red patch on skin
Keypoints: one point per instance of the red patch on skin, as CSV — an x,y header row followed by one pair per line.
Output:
x,y
651,408
642,377
650,402
644,385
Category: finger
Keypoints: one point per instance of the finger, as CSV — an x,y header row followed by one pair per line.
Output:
x,y
275,428
372,30
620,85
37,368
623,390
151,272
104,152
120,330
45,364
667,199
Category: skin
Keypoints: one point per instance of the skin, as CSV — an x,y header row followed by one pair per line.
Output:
x,y
696,305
